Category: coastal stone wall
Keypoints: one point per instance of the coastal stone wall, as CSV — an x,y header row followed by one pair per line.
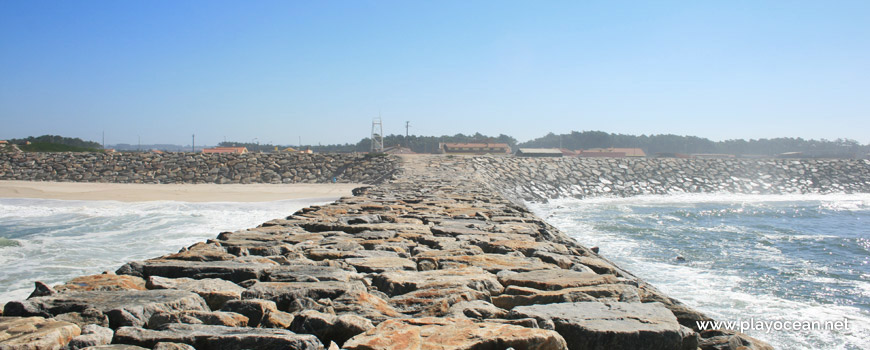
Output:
x,y
170,168
539,179
434,259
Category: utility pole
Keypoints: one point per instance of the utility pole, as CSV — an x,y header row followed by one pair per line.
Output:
x,y
193,143
139,146
104,139
407,134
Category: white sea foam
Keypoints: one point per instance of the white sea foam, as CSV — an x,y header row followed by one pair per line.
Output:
x,y
58,239
642,235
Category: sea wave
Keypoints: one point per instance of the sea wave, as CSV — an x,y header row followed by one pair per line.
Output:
x,y
765,257
56,240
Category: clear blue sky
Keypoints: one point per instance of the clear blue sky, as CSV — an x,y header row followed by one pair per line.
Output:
x,y
275,71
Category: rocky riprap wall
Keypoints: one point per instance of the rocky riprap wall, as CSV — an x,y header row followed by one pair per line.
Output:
x,y
191,168
539,179
431,260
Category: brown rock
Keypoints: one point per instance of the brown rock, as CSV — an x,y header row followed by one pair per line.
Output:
x,y
381,264
214,318
277,319
172,346
330,328
216,292
720,339
434,301
123,308
556,279
496,262
514,296
104,282
453,333
291,296
368,305
35,333
401,282
595,325
92,335
217,337
202,252
255,310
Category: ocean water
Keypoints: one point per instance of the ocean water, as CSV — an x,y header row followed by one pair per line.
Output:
x,y
747,258
56,240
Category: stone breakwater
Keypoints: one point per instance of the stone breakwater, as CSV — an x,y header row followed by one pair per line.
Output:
x,y
539,179
431,260
190,168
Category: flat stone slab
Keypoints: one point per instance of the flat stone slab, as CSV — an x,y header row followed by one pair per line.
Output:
x,y
518,296
35,333
123,308
494,262
381,264
401,282
288,294
225,270
104,282
216,292
556,279
453,333
308,273
617,325
217,337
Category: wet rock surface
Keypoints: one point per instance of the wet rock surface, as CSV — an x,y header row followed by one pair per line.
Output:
x,y
433,259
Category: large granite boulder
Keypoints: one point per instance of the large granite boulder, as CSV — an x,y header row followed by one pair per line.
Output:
x,y
204,337
556,279
453,333
616,325
226,270
123,308
102,282
216,292
401,282
294,296
35,333
92,335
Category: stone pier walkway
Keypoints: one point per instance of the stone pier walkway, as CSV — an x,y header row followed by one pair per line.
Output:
x,y
434,259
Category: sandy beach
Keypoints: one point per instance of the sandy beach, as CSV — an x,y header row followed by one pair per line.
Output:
x,y
171,192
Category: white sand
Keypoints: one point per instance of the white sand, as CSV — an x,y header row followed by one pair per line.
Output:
x,y
173,192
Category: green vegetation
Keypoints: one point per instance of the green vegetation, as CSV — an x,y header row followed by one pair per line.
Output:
x,y
653,144
56,143
55,147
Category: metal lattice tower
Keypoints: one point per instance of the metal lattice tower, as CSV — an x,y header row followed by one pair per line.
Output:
x,y
377,136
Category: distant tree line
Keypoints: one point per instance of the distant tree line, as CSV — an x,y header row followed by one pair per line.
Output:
x,y
60,140
653,144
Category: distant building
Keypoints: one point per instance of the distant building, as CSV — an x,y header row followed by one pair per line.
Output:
x,y
539,152
3,143
612,152
475,148
237,150
672,155
713,155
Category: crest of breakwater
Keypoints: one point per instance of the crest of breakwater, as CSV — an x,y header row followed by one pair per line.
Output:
x,y
193,168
